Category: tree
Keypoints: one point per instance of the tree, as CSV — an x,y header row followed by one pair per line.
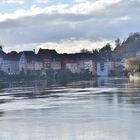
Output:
x,y
106,48
106,51
95,51
118,42
84,51
132,65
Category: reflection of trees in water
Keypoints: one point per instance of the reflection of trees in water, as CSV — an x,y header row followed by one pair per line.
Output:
x,y
128,92
133,92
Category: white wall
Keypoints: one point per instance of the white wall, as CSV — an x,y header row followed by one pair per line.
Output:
x,y
88,65
102,69
38,65
5,66
23,63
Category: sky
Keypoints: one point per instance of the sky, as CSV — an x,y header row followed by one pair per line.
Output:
x,y
66,25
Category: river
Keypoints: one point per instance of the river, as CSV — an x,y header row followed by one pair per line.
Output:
x,y
102,109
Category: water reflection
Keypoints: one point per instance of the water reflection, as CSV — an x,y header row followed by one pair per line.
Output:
x,y
84,110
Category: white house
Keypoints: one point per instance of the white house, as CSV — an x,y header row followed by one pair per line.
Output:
x,y
10,63
103,68
10,67
2,55
29,61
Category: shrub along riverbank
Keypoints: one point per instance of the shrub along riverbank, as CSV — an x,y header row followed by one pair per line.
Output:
x,y
50,76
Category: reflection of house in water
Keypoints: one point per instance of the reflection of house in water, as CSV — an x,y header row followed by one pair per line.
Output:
x,y
102,81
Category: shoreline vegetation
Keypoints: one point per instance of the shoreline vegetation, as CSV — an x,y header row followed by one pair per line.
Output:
x,y
132,66
44,82
51,77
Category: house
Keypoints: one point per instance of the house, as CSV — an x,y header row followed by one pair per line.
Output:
x,y
10,64
80,65
65,61
55,65
30,62
97,65
72,67
2,55
88,65
102,69
47,57
86,62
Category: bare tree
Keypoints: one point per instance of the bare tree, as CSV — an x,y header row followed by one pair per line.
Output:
x,y
118,42
85,51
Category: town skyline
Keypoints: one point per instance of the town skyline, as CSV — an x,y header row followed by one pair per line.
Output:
x,y
64,25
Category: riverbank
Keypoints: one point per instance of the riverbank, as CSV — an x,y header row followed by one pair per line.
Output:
x,y
135,76
51,77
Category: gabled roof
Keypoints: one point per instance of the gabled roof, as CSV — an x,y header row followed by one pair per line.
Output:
x,y
48,54
30,55
13,56
84,56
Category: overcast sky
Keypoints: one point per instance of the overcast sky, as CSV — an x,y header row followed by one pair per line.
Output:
x,y
66,25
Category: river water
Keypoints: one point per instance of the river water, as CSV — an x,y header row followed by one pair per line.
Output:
x,y
102,109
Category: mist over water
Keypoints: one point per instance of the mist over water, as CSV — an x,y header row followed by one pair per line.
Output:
x,y
102,109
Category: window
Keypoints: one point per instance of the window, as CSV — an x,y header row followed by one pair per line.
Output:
x,y
102,67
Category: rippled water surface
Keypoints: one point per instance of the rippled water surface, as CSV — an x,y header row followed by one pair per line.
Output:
x,y
103,109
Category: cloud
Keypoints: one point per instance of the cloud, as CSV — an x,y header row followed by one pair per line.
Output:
x,y
80,1
13,1
42,1
87,22
72,46
65,46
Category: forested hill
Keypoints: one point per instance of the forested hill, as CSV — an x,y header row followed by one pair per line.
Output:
x,y
128,48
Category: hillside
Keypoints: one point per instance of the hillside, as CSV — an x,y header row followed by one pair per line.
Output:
x,y
128,48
